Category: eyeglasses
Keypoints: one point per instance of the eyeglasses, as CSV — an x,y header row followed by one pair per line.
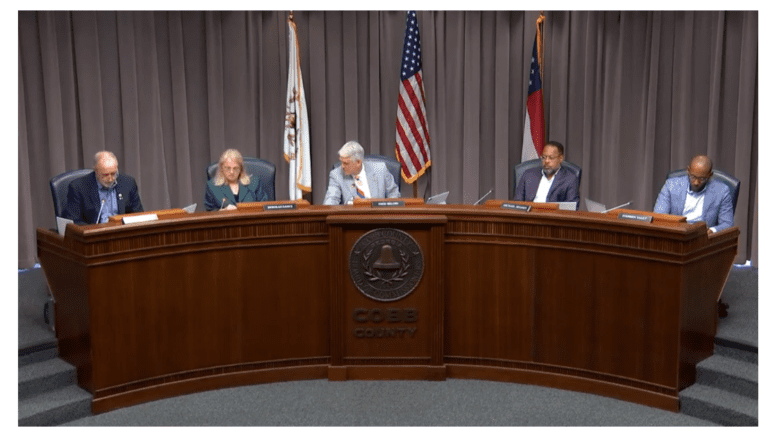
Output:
x,y
549,158
698,179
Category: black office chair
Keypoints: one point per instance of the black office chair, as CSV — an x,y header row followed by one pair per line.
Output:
x,y
59,185
717,175
392,165
257,168
521,168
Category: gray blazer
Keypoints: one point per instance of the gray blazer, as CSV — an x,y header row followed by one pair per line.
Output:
x,y
718,209
342,188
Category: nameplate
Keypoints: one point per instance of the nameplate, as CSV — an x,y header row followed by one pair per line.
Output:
x,y
638,217
517,207
139,218
384,203
280,206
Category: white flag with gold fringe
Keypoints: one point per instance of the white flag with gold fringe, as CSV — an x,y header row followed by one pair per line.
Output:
x,y
296,135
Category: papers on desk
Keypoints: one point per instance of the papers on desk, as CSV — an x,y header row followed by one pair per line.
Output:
x,y
190,209
567,206
62,224
139,218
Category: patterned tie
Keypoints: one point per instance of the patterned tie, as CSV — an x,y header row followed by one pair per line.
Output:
x,y
359,190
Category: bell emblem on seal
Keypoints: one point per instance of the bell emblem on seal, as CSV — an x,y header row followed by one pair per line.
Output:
x,y
386,260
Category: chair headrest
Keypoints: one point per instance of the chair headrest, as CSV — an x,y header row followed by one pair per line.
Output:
x,y
262,169
59,185
392,165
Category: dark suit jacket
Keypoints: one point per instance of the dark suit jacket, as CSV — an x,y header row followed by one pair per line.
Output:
x,y
215,194
83,200
564,188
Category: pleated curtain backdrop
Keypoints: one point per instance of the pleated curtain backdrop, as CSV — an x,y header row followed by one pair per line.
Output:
x,y
631,95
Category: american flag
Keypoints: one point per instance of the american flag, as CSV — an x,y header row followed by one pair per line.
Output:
x,y
534,123
412,139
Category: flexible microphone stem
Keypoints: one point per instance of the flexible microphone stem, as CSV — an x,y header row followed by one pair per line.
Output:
x,y
484,196
102,203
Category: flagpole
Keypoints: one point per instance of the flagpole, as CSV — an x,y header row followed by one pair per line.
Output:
x,y
411,145
305,195
541,43
534,122
296,137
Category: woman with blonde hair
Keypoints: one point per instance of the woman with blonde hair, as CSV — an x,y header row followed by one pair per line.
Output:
x,y
232,184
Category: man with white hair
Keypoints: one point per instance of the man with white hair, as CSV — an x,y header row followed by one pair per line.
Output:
x,y
355,178
105,192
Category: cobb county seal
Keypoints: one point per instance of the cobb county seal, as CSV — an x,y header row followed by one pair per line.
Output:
x,y
386,264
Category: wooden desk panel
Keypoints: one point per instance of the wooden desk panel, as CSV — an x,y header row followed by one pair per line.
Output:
x,y
581,301
572,300
207,310
489,301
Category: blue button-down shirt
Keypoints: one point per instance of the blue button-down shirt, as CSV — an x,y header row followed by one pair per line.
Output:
x,y
108,200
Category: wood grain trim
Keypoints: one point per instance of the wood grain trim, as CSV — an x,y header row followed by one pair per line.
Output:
x,y
657,217
550,368
161,214
167,389
337,274
385,361
211,371
259,206
436,273
664,401
535,206
368,202
385,219
404,372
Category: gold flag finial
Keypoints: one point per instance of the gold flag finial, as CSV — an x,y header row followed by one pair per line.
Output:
x,y
541,43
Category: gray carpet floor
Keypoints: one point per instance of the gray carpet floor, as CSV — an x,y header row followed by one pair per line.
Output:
x,y
33,293
453,402
741,293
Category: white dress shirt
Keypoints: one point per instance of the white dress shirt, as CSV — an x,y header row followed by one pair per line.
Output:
x,y
361,182
694,205
544,188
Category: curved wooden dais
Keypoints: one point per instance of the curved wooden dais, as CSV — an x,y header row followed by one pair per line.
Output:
x,y
565,299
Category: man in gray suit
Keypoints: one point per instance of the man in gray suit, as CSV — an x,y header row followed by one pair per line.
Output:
x,y
358,179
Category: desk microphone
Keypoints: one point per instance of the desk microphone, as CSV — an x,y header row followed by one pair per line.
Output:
x,y
222,203
102,203
619,206
484,196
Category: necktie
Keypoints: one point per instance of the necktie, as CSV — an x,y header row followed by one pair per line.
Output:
x,y
358,189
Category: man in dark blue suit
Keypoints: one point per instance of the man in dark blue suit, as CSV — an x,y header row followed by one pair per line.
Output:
x,y
552,182
104,192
